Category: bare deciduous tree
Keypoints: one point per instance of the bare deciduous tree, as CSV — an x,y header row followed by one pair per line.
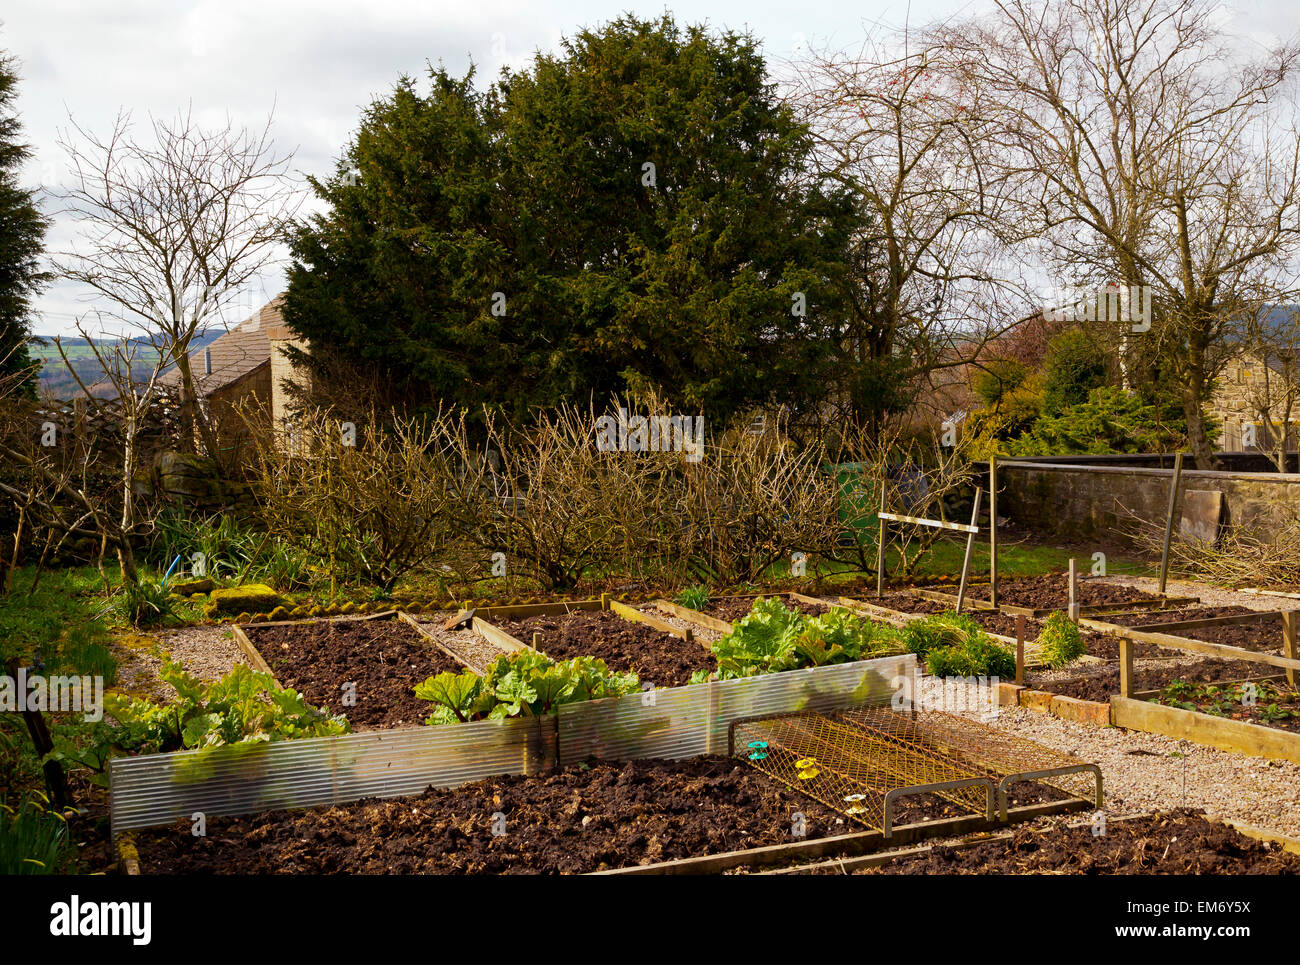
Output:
x,y
1148,151
173,228
900,123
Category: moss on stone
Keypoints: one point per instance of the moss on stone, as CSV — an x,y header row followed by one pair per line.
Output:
x,y
250,598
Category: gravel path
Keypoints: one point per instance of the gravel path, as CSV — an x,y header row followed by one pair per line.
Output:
x,y
208,652
476,651
1210,595
1145,772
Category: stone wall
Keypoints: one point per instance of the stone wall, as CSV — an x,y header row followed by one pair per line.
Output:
x,y
1097,502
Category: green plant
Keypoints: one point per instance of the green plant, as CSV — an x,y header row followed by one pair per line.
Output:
x,y
144,602
940,630
975,657
34,838
772,638
524,684
694,597
244,706
1060,641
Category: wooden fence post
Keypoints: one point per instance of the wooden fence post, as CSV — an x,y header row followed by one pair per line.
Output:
x,y
1074,591
993,530
1020,649
1289,643
1169,521
970,545
1125,667
880,546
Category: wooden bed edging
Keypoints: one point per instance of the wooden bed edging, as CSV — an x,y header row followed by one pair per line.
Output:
x,y
860,842
693,616
1057,705
633,615
1255,740
128,858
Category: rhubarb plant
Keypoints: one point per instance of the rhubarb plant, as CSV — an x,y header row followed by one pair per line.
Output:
x,y
522,684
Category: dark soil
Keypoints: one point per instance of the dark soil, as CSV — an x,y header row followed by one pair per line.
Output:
x,y
1176,843
657,657
385,659
731,608
1256,635
1102,685
1052,591
584,818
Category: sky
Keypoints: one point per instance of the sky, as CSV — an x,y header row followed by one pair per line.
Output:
x,y
318,64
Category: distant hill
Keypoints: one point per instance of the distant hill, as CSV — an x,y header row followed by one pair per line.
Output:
x,y
58,382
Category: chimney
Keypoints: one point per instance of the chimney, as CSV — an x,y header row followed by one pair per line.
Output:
x,y
207,361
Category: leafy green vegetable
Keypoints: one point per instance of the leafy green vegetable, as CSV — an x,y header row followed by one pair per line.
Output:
x,y
242,707
526,683
772,638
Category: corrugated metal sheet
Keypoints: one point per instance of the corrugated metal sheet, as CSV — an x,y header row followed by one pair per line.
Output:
x,y
685,721
157,789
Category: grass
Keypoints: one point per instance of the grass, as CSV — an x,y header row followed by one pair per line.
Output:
x,y
66,622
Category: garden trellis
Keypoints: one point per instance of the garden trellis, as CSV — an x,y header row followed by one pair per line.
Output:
x,y
971,530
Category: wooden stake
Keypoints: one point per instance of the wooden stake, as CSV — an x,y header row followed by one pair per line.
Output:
x,y
1289,622
1020,649
1125,667
970,545
1169,521
880,546
993,530
1074,591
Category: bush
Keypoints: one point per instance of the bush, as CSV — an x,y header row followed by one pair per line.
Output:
x,y
1060,641
940,630
974,657
694,597
1075,365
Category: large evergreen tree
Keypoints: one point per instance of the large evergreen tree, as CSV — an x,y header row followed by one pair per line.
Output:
x,y
640,202
22,231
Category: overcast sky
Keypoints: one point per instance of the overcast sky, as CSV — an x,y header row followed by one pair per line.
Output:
x,y
319,63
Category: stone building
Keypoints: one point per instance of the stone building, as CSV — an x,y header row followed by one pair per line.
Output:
x,y
246,365
1257,402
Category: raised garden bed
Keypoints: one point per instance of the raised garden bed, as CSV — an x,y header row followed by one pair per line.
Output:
x,y
657,657
583,818
1268,705
382,658
1179,843
588,817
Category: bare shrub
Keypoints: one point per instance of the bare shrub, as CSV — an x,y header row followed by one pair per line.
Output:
x,y
372,502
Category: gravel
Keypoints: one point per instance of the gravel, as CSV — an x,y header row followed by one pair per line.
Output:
x,y
1145,772
476,651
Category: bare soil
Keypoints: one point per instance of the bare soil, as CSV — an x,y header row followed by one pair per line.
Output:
x,y
1102,685
656,657
1179,842
384,659
586,817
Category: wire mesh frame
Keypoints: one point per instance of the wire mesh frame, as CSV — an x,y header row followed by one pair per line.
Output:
x,y
800,751
858,772
1008,757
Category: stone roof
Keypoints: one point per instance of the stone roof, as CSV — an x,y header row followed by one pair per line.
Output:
x,y
236,354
